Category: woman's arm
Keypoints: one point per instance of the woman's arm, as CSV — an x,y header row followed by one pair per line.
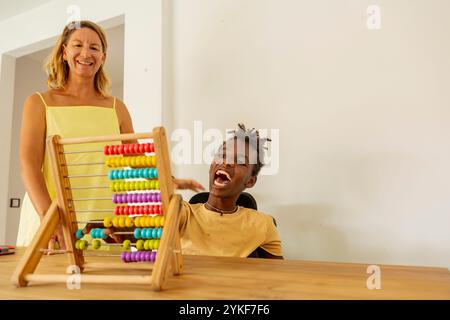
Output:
x,y
32,151
125,122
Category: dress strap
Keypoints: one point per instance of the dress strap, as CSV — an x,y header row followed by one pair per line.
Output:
x,y
42,98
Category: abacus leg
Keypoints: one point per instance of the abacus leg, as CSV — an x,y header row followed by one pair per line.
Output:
x,y
32,254
177,261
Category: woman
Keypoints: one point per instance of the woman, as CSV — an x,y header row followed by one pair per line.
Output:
x,y
77,104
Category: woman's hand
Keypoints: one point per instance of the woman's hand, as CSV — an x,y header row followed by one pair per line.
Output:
x,y
187,184
57,237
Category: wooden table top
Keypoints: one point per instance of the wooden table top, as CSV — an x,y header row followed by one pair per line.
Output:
x,y
240,278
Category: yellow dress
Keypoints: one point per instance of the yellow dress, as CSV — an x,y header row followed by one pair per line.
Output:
x,y
70,122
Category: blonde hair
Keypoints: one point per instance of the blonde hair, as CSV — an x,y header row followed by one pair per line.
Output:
x,y
58,70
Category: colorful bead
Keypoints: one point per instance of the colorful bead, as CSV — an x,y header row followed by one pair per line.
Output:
x,y
96,244
140,244
126,245
137,233
79,234
107,222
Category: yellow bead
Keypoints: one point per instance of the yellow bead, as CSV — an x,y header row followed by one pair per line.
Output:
x,y
152,222
156,246
107,222
137,222
123,162
121,222
148,221
157,221
115,222
156,184
128,222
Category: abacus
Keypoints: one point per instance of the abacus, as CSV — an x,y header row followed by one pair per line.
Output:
x,y
147,206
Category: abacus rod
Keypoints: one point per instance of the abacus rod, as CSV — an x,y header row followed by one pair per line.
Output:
x,y
82,164
115,137
95,210
85,175
81,151
89,199
54,251
88,187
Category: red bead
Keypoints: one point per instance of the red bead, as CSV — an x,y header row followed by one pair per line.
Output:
x,y
141,148
157,209
117,210
136,148
106,150
152,147
147,147
145,209
117,149
150,209
121,149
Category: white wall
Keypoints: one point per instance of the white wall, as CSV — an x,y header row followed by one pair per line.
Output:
x,y
29,78
363,117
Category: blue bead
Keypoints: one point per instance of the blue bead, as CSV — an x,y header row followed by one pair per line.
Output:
x,y
111,175
137,233
159,233
119,174
79,234
141,173
103,234
155,173
154,233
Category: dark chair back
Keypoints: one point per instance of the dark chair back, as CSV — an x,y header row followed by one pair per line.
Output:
x,y
245,200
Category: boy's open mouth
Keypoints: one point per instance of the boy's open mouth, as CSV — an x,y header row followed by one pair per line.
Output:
x,y
221,178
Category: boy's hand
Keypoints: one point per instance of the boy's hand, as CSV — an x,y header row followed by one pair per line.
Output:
x,y
187,184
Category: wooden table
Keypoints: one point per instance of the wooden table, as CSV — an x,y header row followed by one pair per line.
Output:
x,y
238,278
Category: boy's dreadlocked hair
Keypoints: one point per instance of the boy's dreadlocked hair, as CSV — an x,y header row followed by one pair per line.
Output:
x,y
251,136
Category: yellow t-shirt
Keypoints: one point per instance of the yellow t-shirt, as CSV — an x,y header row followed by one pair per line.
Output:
x,y
205,232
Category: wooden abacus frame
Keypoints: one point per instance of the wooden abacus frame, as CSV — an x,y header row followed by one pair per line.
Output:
x,y
60,211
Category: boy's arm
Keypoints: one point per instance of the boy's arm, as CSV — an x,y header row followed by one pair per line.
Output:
x,y
271,248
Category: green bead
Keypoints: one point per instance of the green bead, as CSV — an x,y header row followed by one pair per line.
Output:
x,y
126,245
96,244
147,245
140,244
